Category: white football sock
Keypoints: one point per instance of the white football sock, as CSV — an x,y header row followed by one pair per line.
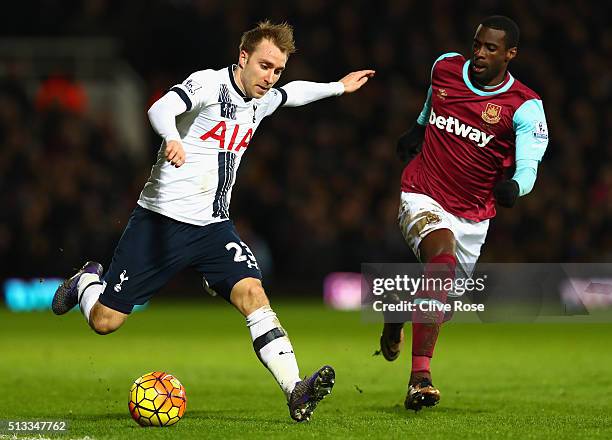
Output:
x,y
273,348
90,288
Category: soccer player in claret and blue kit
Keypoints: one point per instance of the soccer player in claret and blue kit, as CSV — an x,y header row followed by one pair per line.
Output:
x,y
476,144
182,218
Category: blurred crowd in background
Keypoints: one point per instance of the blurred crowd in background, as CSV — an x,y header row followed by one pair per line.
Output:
x,y
318,190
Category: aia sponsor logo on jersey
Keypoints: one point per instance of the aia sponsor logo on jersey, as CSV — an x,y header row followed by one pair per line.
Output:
x,y
455,126
219,131
492,113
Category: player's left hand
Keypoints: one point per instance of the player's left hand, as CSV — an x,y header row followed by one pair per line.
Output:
x,y
354,80
506,192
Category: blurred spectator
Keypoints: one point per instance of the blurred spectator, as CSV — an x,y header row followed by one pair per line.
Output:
x,y
58,92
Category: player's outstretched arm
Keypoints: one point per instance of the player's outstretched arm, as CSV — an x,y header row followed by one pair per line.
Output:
x,y
304,92
355,80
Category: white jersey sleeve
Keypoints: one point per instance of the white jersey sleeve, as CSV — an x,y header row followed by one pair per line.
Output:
x,y
297,93
198,90
275,98
163,113
305,92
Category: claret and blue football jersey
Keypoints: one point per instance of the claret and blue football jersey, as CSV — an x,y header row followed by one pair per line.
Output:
x,y
473,137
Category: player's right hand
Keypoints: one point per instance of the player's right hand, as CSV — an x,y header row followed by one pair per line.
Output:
x,y
410,143
354,80
175,154
506,192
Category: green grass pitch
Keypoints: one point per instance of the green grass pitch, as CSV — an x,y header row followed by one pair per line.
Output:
x,y
514,381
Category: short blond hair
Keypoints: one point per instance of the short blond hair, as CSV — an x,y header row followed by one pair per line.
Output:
x,y
279,34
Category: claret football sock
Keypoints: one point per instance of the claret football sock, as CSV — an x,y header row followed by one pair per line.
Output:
x,y
426,320
90,288
273,348
420,364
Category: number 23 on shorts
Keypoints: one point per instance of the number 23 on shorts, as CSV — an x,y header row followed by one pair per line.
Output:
x,y
238,250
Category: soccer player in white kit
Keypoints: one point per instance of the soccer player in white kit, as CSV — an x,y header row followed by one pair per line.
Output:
x,y
182,217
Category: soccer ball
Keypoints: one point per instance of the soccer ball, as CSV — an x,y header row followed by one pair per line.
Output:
x,y
157,399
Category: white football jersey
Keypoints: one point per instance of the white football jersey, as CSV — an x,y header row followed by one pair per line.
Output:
x,y
215,131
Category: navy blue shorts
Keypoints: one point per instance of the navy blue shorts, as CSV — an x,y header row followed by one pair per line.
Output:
x,y
153,248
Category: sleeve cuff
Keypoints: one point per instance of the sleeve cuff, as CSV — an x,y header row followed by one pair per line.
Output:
x,y
173,137
183,96
525,175
337,87
283,96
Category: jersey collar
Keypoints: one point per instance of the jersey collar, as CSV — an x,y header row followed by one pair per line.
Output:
x,y
230,71
466,79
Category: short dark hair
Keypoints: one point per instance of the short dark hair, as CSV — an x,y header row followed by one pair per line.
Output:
x,y
503,23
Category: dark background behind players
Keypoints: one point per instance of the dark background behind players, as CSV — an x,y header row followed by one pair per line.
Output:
x,y
318,191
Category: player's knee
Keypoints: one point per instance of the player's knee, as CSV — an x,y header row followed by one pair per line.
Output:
x,y
256,293
253,298
248,296
103,326
438,242
104,320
